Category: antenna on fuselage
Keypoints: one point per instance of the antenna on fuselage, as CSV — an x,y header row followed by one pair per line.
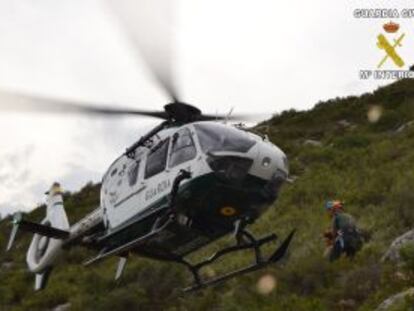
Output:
x,y
226,119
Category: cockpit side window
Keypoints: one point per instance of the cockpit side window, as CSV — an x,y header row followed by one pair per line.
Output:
x,y
156,159
183,148
133,173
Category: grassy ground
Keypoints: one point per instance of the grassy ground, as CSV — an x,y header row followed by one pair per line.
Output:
x,y
369,165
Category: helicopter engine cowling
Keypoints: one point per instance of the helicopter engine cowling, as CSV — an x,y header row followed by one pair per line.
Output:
x,y
44,250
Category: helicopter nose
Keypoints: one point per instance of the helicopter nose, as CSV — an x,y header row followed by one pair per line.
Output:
x,y
271,163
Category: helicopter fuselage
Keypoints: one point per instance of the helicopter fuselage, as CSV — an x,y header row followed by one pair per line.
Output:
x,y
231,175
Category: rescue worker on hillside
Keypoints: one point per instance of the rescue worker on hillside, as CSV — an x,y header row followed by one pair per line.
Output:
x,y
343,237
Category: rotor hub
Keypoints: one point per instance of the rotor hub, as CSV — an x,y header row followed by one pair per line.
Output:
x,y
175,112
182,112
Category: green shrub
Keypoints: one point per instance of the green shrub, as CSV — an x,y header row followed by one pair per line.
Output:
x,y
352,141
389,120
407,254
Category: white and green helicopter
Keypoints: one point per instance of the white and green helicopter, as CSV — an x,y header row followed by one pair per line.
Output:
x,y
188,182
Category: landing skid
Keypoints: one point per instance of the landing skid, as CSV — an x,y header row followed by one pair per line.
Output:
x,y
259,263
244,239
156,229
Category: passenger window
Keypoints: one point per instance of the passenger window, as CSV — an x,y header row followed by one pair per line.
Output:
x,y
133,173
183,148
114,172
156,159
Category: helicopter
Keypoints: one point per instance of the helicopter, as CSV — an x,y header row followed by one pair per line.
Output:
x,y
188,182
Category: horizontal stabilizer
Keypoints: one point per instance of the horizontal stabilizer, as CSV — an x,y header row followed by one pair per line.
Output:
x,y
48,231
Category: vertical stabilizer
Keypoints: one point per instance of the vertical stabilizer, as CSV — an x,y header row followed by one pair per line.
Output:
x,y
55,212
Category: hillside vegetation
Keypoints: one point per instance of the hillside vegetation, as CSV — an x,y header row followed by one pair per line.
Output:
x,y
369,165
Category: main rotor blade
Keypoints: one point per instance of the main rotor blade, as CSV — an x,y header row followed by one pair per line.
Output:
x,y
10,101
149,25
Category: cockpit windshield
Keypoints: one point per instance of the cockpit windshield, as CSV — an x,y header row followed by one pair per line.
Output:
x,y
217,137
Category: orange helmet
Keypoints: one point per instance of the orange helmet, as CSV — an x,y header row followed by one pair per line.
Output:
x,y
334,205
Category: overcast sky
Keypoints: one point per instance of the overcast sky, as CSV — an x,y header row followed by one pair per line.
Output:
x,y
256,56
